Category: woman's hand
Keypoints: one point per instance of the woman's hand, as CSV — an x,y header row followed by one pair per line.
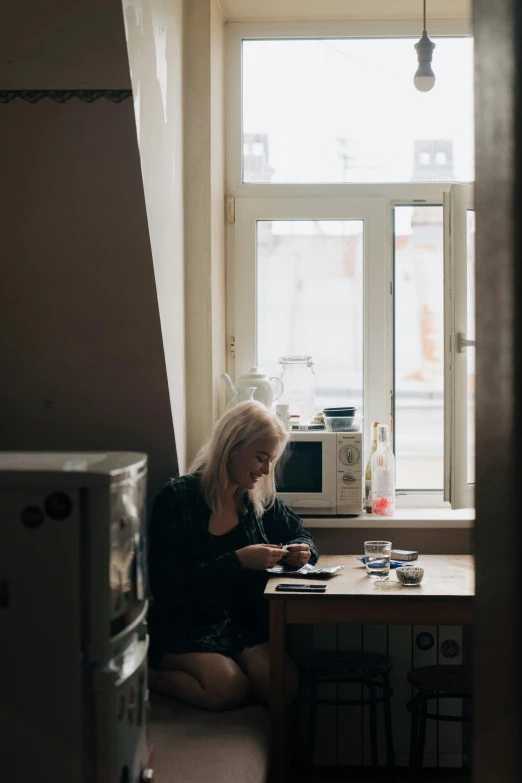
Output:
x,y
257,557
298,555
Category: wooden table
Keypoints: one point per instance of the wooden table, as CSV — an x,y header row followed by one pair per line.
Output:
x,y
444,598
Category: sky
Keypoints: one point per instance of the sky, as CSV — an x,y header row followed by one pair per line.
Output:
x,y
306,93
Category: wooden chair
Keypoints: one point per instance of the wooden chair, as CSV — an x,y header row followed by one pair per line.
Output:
x,y
434,682
371,671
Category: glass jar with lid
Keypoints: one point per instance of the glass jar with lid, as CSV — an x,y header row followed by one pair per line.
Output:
x,y
298,386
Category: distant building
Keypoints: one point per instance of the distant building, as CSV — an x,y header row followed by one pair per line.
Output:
x,y
433,161
255,158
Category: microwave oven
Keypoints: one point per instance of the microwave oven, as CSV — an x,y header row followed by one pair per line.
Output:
x,y
321,473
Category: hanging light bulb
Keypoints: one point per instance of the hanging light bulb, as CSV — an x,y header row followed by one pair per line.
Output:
x,y
424,78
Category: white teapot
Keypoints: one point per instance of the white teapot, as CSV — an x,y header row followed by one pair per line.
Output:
x,y
267,390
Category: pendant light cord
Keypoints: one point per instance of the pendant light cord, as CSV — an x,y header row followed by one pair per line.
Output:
x,y
424,28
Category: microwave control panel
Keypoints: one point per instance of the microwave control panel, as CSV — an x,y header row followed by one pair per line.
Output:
x,y
349,473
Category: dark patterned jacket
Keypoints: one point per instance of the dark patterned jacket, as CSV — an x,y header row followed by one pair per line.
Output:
x,y
188,582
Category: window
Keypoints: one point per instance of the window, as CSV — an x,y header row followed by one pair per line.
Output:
x,y
345,242
345,110
419,347
310,271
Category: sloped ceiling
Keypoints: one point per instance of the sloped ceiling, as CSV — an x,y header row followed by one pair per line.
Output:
x,y
250,10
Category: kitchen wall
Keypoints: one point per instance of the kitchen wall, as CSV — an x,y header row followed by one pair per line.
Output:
x,y
204,217
83,360
254,10
156,49
428,541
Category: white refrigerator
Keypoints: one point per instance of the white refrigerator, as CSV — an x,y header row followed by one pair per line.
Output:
x,y
73,605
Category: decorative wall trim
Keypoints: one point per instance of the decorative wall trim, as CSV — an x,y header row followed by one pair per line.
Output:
x,y
62,96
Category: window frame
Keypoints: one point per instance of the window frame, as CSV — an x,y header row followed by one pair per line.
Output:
x,y
263,200
236,33
376,285
457,491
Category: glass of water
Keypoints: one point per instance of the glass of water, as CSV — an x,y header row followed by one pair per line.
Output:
x,y
377,557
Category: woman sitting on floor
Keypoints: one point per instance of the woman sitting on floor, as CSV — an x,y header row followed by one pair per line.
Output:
x,y
212,534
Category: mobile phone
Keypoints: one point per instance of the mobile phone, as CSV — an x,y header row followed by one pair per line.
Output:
x,y
286,588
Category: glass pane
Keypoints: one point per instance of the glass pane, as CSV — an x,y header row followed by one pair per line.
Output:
x,y
346,110
419,347
310,301
470,352
301,470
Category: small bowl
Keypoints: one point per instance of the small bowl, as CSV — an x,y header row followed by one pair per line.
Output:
x,y
342,423
409,576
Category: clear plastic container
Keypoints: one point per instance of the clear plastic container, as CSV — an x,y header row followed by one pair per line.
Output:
x,y
342,423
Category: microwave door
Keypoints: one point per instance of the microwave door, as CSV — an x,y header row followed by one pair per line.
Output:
x,y
307,474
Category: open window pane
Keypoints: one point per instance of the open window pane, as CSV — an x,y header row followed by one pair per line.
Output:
x,y
460,355
470,355
346,110
419,347
310,301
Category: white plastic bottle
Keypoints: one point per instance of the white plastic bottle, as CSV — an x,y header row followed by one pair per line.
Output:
x,y
383,475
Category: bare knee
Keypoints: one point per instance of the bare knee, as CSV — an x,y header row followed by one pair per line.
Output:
x,y
223,684
226,690
208,680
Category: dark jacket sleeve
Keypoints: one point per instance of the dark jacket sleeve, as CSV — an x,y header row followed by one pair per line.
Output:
x,y
282,526
171,573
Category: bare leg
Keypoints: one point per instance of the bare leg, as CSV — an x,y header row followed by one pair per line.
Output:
x,y
207,680
254,661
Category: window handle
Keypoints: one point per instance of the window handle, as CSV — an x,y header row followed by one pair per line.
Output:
x,y
463,343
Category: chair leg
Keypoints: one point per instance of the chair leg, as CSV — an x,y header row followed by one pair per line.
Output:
x,y
374,753
313,722
423,703
414,735
298,764
390,751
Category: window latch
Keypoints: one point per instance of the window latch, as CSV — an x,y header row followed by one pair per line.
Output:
x,y
463,343
231,209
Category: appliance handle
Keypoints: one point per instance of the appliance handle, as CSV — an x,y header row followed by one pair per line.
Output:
x,y
132,626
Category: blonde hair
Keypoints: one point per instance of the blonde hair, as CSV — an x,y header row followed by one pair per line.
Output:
x,y
238,428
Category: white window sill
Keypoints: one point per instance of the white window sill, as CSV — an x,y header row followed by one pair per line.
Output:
x,y
403,518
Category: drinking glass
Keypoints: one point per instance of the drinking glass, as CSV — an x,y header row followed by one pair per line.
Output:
x,y
377,557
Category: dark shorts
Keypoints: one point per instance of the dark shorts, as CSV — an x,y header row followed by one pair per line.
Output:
x,y
223,638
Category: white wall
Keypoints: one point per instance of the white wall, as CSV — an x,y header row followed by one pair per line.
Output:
x,y
176,54
83,363
154,31
217,200
253,10
204,216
